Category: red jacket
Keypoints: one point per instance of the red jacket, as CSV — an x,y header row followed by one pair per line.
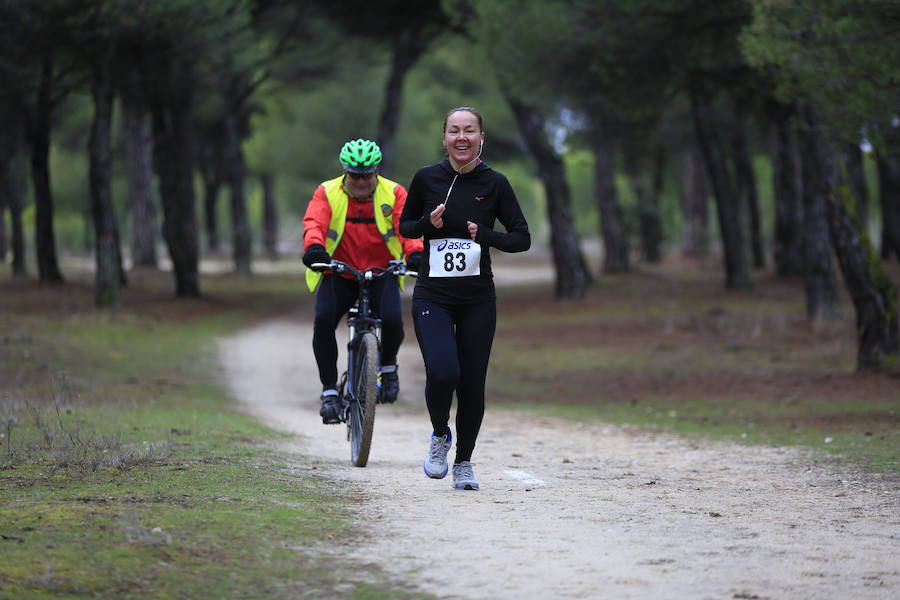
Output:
x,y
361,245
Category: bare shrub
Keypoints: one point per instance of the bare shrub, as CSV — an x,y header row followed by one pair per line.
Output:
x,y
138,534
61,439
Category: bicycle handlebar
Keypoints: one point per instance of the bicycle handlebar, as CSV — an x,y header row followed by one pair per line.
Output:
x,y
395,267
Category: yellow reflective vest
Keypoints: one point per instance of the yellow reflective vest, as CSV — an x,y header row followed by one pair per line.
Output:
x,y
383,197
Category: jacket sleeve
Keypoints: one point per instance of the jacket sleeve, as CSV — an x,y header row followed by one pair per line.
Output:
x,y
409,245
316,219
517,237
413,223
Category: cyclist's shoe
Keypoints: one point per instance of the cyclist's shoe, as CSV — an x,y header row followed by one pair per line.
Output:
x,y
331,407
390,385
464,476
436,462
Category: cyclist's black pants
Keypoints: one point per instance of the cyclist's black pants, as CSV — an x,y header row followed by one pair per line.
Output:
x,y
334,298
456,345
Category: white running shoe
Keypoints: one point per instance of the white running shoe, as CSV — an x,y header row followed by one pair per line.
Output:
x,y
464,476
436,462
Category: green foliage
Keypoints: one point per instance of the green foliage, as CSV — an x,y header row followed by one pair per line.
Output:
x,y
299,132
842,56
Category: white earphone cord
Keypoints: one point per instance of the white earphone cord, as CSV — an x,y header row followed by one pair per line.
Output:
x,y
477,156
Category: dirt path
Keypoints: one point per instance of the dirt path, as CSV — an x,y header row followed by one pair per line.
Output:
x,y
570,511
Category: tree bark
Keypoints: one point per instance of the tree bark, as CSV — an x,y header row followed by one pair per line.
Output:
x,y
746,185
612,223
209,159
4,201
235,171
788,243
647,206
39,138
9,140
694,203
408,47
211,218
173,158
651,220
139,165
872,290
819,276
270,216
729,208
572,274
889,198
13,182
856,175
108,271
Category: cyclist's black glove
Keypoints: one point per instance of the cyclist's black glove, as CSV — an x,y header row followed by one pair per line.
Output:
x,y
414,261
315,254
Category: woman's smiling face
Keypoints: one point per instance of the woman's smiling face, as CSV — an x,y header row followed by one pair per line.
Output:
x,y
462,137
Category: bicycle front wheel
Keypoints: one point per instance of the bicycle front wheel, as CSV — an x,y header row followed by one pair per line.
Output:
x,y
362,408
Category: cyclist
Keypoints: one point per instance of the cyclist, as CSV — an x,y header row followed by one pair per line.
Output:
x,y
453,205
354,218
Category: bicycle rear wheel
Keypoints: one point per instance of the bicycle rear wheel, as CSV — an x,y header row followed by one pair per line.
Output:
x,y
362,409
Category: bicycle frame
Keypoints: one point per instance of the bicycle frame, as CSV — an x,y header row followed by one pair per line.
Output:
x,y
363,345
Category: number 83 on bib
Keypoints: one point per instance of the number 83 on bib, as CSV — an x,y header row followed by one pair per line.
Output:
x,y
454,257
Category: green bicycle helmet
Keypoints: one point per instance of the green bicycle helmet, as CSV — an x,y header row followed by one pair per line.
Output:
x,y
360,156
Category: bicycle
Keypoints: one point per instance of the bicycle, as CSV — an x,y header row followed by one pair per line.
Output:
x,y
360,386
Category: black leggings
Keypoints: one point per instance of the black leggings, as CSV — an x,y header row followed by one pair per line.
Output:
x,y
334,298
456,345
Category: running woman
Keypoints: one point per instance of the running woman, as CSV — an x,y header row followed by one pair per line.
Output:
x,y
354,219
454,205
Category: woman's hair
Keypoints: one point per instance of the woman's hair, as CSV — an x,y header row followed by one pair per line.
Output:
x,y
460,109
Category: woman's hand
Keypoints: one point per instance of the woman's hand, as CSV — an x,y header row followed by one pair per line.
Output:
x,y
435,217
473,228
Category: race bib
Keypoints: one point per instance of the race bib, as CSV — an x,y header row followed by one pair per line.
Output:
x,y
454,257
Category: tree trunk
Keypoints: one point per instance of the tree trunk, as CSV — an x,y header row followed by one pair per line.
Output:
x,y
211,218
409,45
39,137
889,198
694,204
16,183
746,185
235,171
4,202
572,274
647,206
856,175
8,143
139,165
13,181
874,294
651,220
819,276
173,158
108,273
612,223
270,216
729,208
788,243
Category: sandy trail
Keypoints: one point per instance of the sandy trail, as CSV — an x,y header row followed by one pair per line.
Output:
x,y
575,511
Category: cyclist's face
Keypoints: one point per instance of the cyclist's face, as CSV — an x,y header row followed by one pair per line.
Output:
x,y
360,186
462,137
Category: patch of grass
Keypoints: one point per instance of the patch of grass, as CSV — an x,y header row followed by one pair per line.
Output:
x,y
668,348
126,473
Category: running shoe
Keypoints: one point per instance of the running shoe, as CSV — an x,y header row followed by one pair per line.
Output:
x,y
464,476
436,462
331,408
